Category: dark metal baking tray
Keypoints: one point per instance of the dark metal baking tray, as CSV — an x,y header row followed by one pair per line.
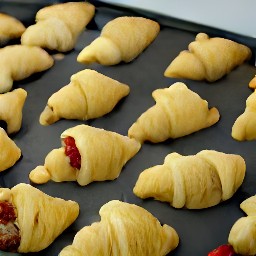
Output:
x,y
200,231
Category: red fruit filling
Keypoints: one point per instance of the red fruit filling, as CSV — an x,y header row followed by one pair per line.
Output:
x,y
223,250
72,152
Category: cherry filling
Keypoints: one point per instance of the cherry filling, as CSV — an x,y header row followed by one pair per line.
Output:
x,y
223,250
72,152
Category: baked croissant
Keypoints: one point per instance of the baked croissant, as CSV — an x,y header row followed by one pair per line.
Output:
x,y
18,62
11,106
33,219
245,124
58,26
10,152
171,116
208,59
88,95
10,28
88,154
121,39
194,182
124,229
242,234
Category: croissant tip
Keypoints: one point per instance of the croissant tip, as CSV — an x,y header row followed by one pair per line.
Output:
x,y
39,175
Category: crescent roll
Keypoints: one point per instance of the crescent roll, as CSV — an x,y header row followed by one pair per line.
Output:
x,y
121,39
58,26
10,152
10,28
88,95
243,232
88,154
194,182
124,229
208,59
178,112
18,62
11,106
244,126
33,219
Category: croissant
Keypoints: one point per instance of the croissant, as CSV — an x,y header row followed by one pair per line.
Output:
x,y
124,229
32,219
58,26
208,59
88,95
11,106
88,154
18,62
10,152
194,182
10,28
243,232
178,112
244,126
121,39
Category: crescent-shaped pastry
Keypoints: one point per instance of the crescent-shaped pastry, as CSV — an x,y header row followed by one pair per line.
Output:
x,y
18,62
124,229
88,95
178,112
194,182
208,59
32,220
58,26
121,39
10,28
10,152
88,154
11,106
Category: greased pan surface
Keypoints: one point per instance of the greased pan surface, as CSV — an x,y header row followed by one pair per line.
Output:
x,y
200,231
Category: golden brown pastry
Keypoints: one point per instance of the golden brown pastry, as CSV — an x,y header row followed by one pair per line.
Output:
x,y
88,154
245,124
10,28
11,106
88,95
242,234
58,26
252,83
208,59
121,39
34,219
10,152
18,62
124,229
171,116
194,182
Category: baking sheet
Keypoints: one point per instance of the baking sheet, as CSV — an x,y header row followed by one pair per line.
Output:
x,y
200,231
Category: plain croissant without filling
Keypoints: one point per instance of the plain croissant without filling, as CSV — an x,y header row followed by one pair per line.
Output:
x,y
124,229
58,26
18,62
34,219
121,39
194,182
93,155
178,112
88,95
208,59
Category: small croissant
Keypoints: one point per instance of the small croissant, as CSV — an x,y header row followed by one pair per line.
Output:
x,y
194,182
124,229
88,95
58,26
88,154
171,116
208,59
11,106
121,39
18,62
243,232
